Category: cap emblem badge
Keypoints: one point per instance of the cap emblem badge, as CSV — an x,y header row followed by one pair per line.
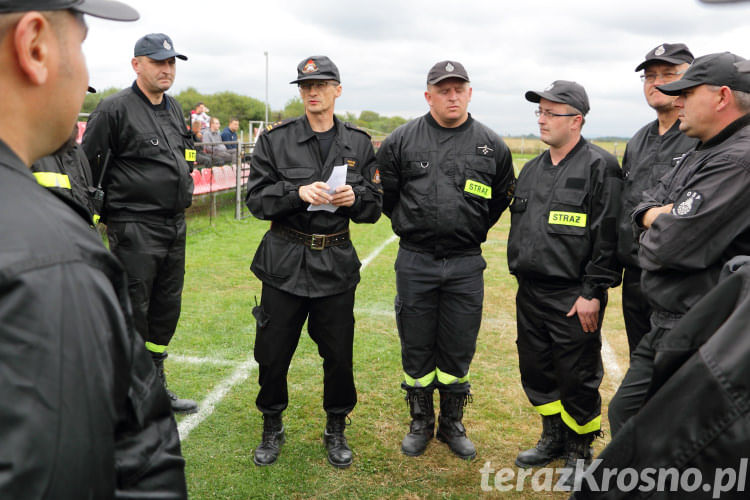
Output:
x,y
449,67
166,45
659,50
310,67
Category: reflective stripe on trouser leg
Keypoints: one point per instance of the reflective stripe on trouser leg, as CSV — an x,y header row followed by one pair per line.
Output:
x,y
156,348
556,407
424,381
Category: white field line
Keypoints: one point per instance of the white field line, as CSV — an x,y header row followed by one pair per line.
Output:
x,y
240,374
193,360
207,406
611,366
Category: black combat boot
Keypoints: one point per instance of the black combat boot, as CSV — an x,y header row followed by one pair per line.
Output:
x,y
178,405
339,453
422,426
270,445
577,448
450,428
551,444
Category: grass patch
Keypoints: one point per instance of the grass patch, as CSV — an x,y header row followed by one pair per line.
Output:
x,y
217,323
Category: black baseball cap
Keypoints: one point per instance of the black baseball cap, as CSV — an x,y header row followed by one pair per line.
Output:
x,y
446,69
563,91
157,46
106,9
670,53
316,68
722,69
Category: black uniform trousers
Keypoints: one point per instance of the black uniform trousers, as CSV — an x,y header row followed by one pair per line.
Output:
x,y
631,395
152,251
438,313
635,308
330,323
561,365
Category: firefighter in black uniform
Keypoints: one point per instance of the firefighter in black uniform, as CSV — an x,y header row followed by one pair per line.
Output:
x,y
561,249
650,154
697,217
81,412
446,180
148,187
307,263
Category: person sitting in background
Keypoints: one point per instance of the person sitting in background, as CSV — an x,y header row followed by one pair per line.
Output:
x,y
200,113
201,158
216,150
229,134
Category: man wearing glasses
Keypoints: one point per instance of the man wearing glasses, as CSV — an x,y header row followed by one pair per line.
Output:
x,y
652,152
561,249
311,175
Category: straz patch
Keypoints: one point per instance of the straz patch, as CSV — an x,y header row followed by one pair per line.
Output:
x,y
688,204
190,155
478,189
574,219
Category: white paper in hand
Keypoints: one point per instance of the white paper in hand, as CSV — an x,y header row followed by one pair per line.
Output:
x,y
337,178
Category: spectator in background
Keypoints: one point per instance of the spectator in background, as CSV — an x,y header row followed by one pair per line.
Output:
x,y
200,113
217,150
229,134
201,158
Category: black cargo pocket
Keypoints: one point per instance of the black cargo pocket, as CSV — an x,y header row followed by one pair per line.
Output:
x,y
297,174
353,177
567,214
150,145
261,317
416,164
518,205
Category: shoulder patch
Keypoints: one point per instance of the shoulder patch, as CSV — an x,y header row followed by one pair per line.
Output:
x,y
687,204
351,126
279,124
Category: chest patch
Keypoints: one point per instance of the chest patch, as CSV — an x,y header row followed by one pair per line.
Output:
x,y
478,189
484,150
574,219
688,204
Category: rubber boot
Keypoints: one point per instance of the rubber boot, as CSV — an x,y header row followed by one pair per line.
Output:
x,y
179,405
270,445
422,426
551,444
450,428
577,448
339,453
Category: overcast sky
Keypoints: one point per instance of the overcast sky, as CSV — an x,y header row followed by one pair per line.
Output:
x,y
384,48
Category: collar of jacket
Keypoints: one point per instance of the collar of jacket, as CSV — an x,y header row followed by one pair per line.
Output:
x,y
728,131
10,159
307,132
433,123
164,102
581,143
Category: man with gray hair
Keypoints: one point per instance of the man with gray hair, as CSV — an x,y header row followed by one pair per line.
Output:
x,y
697,217
650,154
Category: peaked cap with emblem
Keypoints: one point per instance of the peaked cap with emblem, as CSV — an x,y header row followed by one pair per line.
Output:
x,y
446,69
156,46
316,68
565,92
105,9
670,53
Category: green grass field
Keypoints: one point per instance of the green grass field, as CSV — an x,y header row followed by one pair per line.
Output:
x,y
211,361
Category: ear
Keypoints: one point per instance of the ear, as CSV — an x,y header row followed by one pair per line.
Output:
x,y
33,37
134,64
338,90
428,97
725,97
470,90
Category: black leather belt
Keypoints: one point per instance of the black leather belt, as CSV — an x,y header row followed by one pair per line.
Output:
x,y
314,241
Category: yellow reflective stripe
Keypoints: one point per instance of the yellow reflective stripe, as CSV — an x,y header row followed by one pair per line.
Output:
x,y
447,378
190,155
155,347
567,219
52,179
478,189
591,426
419,382
97,218
548,409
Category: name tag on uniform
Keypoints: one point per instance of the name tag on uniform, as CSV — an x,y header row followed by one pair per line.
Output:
x,y
477,188
190,155
567,219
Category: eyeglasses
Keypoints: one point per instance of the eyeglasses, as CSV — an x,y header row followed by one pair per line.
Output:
x,y
550,114
306,86
665,77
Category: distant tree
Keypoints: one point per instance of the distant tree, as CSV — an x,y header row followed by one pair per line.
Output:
x,y
292,108
223,105
91,101
369,116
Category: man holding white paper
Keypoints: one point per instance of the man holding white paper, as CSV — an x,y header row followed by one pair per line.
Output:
x,y
306,261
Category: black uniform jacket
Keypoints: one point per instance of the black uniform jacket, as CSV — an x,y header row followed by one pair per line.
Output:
x,y
444,188
683,251
563,220
648,157
697,415
148,170
68,176
82,411
286,157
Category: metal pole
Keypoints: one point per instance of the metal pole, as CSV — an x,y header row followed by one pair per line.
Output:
x,y
266,54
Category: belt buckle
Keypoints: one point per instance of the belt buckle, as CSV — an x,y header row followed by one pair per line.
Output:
x,y
317,241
